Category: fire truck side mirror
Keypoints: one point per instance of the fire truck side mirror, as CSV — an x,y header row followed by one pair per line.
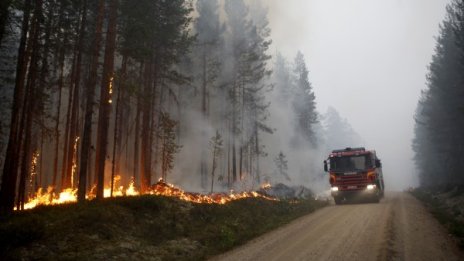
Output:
x,y
378,164
325,166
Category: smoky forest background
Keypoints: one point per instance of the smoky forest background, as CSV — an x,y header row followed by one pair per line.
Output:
x,y
439,137
96,94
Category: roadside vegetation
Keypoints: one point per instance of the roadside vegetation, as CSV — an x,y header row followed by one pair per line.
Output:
x,y
447,205
142,228
439,140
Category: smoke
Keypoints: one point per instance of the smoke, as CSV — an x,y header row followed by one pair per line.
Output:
x,y
194,141
369,60
304,162
362,62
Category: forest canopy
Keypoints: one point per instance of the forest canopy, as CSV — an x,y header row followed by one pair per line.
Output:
x,y
439,135
103,93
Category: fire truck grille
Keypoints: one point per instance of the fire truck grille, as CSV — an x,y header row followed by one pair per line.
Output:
x,y
351,182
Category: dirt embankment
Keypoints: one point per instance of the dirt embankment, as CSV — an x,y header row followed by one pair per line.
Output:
x,y
398,228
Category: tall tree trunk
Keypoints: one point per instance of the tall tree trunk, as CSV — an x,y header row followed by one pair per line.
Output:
x,y
258,154
43,178
116,125
137,129
73,136
105,98
228,154
204,111
61,49
43,81
10,167
71,115
4,13
58,115
242,130
145,159
29,104
233,130
90,98
66,143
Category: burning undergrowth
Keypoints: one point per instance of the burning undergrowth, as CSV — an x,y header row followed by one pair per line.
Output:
x,y
142,228
165,189
161,188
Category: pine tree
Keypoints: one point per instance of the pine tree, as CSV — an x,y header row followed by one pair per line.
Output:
x,y
10,168
339,133
304,101
282,80
248,44
105,98
89,103
169,147
439,140
209,40
282,165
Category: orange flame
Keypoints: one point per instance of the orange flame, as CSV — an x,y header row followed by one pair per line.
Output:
x,y
161,188
266,185
74,162
165,189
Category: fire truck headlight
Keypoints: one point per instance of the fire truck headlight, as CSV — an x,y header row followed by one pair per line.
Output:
x,y
370,187
334,188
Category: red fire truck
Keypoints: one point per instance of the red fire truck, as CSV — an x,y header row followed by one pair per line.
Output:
x,y
355,173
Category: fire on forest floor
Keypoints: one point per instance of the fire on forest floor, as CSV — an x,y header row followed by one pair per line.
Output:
x,y
161,188
141,228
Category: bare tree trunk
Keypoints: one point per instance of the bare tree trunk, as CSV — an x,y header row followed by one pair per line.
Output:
x,y
43,179
71,137
204,111
213,168
4,13
228,155
105,98
242,119
43,81
257,150
145,159
29,105
10,167
66,148
116,125
90,98
57,122
233,128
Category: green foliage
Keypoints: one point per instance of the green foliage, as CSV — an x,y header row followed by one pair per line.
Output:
x,y
439,209
439,139
304,101
169,146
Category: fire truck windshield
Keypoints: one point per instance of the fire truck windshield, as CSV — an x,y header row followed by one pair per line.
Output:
x,y
350,163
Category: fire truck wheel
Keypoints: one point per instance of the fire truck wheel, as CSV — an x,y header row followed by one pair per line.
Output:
x,y
338,200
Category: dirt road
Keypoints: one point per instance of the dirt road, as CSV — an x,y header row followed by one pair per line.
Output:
x,y
398,228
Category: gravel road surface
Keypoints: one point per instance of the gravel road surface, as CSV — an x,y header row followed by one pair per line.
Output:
x,y
397,228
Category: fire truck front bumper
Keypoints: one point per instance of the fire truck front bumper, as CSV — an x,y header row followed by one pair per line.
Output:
x,y
353,191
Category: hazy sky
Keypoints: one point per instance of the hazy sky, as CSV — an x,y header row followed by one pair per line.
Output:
x,y
368,59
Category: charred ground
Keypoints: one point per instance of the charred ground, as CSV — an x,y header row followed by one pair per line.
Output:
x,y
142,228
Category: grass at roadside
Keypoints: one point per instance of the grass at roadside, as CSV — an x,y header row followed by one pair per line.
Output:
x,y
448,215
142,228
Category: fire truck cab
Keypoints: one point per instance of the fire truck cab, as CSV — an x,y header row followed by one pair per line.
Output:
x,y
355,173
